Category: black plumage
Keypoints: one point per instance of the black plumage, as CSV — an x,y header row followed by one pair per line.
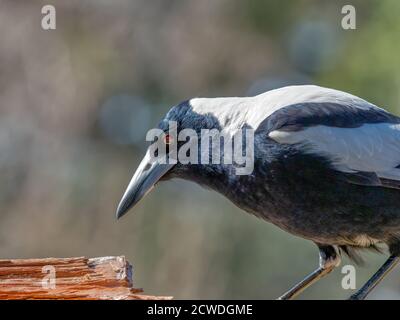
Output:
x,y
315,183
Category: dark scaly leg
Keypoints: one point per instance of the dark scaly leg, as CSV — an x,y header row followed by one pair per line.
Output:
x,y
376,278
329,258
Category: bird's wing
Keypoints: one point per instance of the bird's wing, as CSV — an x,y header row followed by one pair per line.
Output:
x,y
359,138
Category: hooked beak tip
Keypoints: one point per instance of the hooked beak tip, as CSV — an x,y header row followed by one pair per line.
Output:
x,y
118,215
121,210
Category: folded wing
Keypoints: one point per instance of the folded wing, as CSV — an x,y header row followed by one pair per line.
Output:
x,y
359,138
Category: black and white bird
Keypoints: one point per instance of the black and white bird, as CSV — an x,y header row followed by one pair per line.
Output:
x,y
326,168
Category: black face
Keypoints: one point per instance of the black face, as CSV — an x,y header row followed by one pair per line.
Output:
x,y
152,169
183,117
174,146
180,117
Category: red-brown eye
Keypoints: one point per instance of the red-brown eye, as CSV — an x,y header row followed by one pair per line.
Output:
x,y
168,139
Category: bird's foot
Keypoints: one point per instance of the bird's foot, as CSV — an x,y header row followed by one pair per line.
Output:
x,y
329,258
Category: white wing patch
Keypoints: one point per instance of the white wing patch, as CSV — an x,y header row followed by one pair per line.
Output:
x,y
369,148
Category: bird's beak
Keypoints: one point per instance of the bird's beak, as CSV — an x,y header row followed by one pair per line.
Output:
x,y
149,172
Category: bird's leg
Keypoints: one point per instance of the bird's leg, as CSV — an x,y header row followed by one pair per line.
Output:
x,y
329,258
376,278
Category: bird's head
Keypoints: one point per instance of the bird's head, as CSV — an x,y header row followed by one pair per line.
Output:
x,y
175,145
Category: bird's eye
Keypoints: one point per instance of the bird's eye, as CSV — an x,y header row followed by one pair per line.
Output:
x,y
168,139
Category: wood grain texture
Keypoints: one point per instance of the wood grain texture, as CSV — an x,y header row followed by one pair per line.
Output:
x,y
80,278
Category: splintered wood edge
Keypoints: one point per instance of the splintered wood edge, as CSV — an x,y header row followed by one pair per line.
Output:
x,y
101,278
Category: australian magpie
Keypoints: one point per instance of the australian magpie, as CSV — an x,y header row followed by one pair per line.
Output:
x,y
326,168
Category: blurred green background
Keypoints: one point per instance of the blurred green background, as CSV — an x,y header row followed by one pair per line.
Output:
x,y
76,103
